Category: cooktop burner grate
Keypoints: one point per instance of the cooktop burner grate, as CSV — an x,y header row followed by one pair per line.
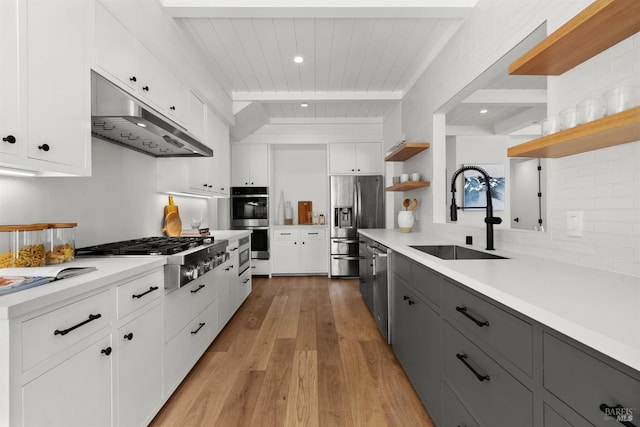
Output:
x,y
145,246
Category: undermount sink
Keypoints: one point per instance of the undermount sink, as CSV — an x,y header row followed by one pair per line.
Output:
x,y
455,252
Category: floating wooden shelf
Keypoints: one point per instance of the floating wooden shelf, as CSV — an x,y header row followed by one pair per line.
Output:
x,y
598,27
406,151
408,186
606,132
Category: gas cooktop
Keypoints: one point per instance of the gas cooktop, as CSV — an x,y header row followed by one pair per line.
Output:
x,y
145,246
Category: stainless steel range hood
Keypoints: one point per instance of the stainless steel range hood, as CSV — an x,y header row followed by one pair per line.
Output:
x,y
120,118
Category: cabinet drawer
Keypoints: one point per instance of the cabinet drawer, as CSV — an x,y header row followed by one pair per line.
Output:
x,y
139,292
48,334
510,336
455,414
498,399
553,419
260,268
286,234
314,233
182,303
402,267
585,383
426,282
184,350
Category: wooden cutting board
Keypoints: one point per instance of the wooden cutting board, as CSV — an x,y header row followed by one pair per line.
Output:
x,y
172,224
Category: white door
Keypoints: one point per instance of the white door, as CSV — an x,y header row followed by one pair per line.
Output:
x,y
342,158
58,96
115,49
9,98
313,256
139,368
368,158
77,392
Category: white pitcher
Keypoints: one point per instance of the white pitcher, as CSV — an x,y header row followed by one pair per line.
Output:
x,y
405,221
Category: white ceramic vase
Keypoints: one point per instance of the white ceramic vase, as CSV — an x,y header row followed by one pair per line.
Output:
x,y
405,221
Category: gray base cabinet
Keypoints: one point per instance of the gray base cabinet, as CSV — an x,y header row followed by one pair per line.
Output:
x,y
416,337
475,362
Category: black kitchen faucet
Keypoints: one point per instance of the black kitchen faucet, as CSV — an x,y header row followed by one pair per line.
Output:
x,y
489,218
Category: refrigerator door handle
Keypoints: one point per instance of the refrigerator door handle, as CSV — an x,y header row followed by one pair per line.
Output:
x,y
358,203
347,257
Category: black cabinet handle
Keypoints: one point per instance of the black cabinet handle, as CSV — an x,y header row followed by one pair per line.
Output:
x,y
198,330
128,336
10,139
145,88
172,108
106,351
463,310
91,318
133,79
246,280
618,412
463,359
193,291
407,298
44,147
151,289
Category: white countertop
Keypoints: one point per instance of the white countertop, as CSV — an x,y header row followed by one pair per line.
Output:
x,y
229,234
109,270
601,309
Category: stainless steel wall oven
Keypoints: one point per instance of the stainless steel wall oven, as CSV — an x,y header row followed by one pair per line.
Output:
x,y
250,211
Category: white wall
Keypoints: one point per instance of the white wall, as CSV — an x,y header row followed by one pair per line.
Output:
x,y
605,184
392,134
299,174
120,201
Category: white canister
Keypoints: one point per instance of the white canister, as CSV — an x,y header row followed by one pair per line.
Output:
x,y
405,221
414,176
404,177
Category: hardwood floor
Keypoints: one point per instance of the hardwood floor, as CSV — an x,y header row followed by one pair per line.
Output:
x,y
301,351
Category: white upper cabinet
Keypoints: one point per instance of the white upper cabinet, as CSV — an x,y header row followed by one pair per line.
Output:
x,y
249,165
217,137
195,119
125,61
115,50
355,158
45,86
9,93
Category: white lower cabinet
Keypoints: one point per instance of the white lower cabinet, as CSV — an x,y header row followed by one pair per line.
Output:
x,y
139,379
76,392
299,250
184,350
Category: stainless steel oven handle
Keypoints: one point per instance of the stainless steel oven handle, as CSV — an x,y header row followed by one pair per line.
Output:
x,y
344,241
347,257
247,196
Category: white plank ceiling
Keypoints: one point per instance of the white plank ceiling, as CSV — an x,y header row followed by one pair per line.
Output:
x,y
360,57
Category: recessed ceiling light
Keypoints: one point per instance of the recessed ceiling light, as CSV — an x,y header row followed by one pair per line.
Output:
x,y
484,111
304,104
298,59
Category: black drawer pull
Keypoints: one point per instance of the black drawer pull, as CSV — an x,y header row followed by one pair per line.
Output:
x,y
128,336
91,318
10,139
197,330
463,359
463,310
151,289
619,413
106,351
193,291
245,281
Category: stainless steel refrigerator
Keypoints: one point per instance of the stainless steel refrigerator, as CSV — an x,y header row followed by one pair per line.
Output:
x,y
357,202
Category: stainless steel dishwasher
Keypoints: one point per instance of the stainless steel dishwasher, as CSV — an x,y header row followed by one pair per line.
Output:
x,y
381,288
